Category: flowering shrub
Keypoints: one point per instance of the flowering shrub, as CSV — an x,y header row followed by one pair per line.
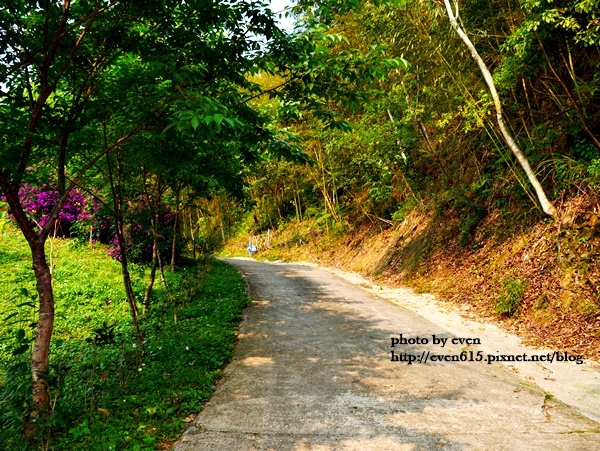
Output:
x,y
113,247
39,201
139,236
79,215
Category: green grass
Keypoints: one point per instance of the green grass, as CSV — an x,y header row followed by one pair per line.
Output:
x,y
105,393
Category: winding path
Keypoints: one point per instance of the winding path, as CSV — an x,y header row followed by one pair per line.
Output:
x,y
312,371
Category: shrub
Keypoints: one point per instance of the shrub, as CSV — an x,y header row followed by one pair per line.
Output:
x,y
39,201
139,235
508,303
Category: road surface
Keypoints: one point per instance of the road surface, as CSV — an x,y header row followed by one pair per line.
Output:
x,y
313,370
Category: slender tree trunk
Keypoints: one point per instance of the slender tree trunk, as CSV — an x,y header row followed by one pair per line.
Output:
x,y
541,195
161,269
154,208
328,203
571,95
155,259
297,200
148,292
223,228
296,206
220,216
154,205
174,242
41,348
115,187
192,234
128,286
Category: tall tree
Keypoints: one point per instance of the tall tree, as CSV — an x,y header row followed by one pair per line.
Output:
x,y
60,60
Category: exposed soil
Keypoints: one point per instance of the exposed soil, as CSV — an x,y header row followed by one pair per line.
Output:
x,y
555,262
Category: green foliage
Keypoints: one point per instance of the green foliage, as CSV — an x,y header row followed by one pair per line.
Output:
x,y
583,149
508,303
577,18
426,134
405,207
594,172
104,391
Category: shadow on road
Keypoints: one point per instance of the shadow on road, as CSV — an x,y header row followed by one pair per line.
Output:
x,y
313,370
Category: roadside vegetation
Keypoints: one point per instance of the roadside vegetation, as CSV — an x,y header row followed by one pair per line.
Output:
x,y
105,392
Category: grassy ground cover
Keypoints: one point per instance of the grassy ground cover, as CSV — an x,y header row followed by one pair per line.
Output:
x,y
106,393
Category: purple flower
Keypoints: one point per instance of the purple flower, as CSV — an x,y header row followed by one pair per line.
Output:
x,y
39,202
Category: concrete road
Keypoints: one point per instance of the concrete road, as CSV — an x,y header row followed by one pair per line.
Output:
x,y
313,371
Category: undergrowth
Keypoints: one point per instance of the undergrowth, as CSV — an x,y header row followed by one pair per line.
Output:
x,y
508,303
106,394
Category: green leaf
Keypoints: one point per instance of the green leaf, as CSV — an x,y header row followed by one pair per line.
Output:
x,y
12,315
218,118
20,335
168,127
21,350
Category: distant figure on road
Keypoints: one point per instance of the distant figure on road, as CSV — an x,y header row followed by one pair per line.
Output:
x,y
251,249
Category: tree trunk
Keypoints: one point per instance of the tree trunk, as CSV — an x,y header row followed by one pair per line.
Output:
x,y
155,251
223,228
43,278
161,269
219,215
174,242
115,187
41,348
192,234
148,292
128,286
541,195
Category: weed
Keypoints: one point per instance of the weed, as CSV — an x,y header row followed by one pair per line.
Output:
x,y
508,303
542,302
403,211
